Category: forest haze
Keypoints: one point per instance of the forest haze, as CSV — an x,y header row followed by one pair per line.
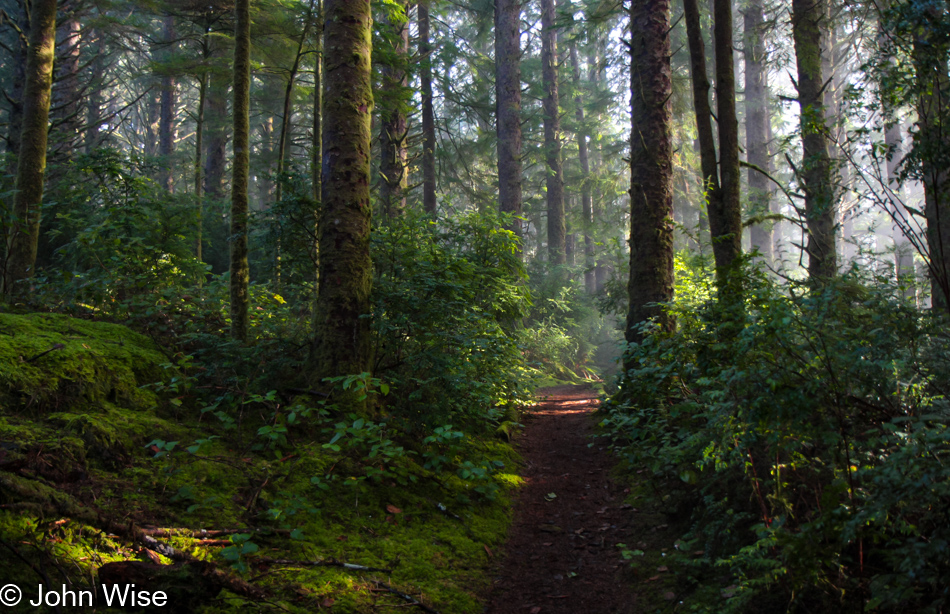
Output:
x,y
265,258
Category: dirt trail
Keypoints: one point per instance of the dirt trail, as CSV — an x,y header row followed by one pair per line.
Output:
x,y
569,515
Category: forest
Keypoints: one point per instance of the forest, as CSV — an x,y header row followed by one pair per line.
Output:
x,y
294,294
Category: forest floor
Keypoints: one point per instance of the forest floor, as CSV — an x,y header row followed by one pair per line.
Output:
x,y
562,554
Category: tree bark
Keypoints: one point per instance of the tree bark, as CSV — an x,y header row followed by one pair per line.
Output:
x,y
933,142
590,279
554,181
727,231
167,130
393,166
31,161
216,131
429,202
756,130
65,115
240,170
508,106
704,131
19,60
809,19
651,167
342,335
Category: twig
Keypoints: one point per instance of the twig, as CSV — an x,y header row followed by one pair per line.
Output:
x,y
407,598
205,534
57,346
323,563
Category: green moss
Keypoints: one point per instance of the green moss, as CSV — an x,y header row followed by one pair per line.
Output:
x,y
52,362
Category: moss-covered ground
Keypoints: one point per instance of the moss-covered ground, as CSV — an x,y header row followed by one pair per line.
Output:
x,y
86,451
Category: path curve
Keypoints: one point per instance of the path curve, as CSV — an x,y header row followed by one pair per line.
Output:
x,y
561,556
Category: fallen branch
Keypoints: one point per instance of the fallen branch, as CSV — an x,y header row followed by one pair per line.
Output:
x,y
206,534
405,597
322,563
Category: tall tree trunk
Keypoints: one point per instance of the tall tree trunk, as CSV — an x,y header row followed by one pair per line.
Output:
x,y
65,113
590,279
94,97
240,169
756,130
19,61
933,140
198,178
651,167
596,77
704,131
342,334
31,161
167,130
317,144
428,116
393,166
554,181
727,238
508,106
809,18
216,130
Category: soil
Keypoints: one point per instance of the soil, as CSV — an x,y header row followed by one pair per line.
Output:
x,y
569,515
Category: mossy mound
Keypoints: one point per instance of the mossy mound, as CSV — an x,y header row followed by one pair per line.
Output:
x,y
52,362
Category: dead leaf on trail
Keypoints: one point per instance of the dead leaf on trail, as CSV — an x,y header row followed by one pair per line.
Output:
x,y
342,538
662,568
548,544
549,528
489,552
536,609
392,509
669,595
653,578
327,603
550,496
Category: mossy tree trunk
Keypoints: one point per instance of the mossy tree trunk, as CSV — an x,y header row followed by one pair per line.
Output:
x,y
809,18
651,167
554,180
428,116
393,165
756,119
240,169
508,106
31,161
341,344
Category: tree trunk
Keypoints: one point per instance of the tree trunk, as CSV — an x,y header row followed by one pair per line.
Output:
x,y
508,106
596,78
240,169
393,166
94,97
216,130
704,132
31,161
199,180
167,131
65,115
933,139
590,279
727,231
15,118
651,167
554,180
809,19
756,131
342,334
428,117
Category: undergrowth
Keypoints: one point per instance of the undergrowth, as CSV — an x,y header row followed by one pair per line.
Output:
x,y
804,452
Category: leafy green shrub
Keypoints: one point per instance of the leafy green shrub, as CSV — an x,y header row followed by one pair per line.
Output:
x,y
445,295
809,449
